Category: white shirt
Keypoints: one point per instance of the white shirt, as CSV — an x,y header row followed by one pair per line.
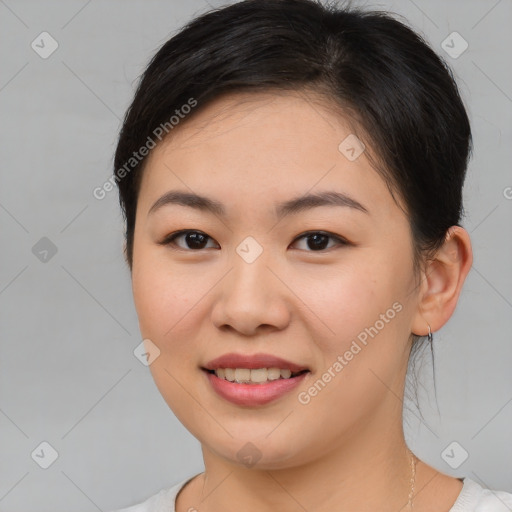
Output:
x,y
472,498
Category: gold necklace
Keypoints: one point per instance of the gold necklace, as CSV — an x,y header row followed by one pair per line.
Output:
x,y
413,480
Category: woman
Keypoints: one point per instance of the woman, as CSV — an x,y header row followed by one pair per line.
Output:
x,y
291,177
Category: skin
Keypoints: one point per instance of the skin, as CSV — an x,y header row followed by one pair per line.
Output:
x,y
345,449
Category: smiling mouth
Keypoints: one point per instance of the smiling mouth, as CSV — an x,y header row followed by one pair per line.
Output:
x,y
254,375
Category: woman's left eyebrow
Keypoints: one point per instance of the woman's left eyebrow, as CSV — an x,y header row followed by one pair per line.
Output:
x,y
313,200
283,209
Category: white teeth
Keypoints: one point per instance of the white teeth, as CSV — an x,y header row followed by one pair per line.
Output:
x,y
229,374
255,376
242,374
273,373
259,375
286,374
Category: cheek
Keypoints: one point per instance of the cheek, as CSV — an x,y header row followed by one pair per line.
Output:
x,y
361,345
163,295
346,299
164,300
366,321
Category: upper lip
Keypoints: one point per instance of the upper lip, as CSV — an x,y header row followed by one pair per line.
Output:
x,y
253,361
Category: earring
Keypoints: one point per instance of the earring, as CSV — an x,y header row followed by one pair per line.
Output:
x,y
430,336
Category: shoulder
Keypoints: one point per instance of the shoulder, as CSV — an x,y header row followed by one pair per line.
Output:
x,y
163,501
475,498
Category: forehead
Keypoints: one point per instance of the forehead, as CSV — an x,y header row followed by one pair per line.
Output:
x,y
262,145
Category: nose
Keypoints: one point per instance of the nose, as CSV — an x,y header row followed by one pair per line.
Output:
x,y
251,299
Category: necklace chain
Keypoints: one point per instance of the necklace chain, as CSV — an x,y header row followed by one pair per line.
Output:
x,y
413,480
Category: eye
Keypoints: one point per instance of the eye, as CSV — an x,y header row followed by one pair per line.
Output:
x,y
195,240
318,240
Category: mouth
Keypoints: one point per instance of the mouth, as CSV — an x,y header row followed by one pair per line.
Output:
x,y
260,362
256,376
253,380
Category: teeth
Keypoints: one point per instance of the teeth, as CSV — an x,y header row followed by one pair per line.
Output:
x,y
286,374
259,375
253,376
273,373
242,374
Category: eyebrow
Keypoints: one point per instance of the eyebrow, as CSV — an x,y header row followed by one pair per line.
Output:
x,y
289,207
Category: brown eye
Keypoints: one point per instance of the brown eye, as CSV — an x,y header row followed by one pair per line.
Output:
x,y
317,241
193,240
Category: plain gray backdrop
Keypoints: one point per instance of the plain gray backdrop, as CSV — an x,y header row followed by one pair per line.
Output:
x,y
68,374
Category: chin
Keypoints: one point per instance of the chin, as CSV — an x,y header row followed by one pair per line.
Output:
x,y
257,452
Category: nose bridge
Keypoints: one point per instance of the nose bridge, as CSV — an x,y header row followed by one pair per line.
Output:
x,y
251,295
250,274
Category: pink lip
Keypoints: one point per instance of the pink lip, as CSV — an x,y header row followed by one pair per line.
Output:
x,y
253,394
252,362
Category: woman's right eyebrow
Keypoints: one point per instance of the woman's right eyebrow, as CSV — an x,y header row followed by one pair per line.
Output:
x,y
189,199
283,209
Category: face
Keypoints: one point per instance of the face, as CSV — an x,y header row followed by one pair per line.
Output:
x,y
326,287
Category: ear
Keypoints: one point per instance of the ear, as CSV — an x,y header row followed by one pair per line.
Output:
x,y
442,282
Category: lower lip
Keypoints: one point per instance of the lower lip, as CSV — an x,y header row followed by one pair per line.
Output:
x,y
253,394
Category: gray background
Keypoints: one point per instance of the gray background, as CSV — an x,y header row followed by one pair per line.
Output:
x,y
68,326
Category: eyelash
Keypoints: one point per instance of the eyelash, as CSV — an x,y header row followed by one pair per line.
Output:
x,y
169,240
